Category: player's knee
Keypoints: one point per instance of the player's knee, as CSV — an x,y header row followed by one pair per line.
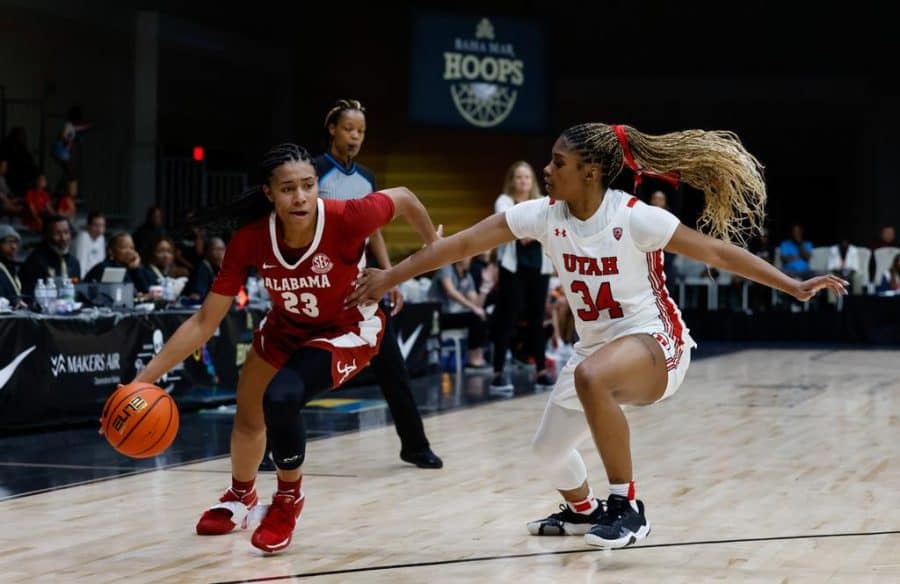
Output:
x,y
247,424
589,380
544,452
284,394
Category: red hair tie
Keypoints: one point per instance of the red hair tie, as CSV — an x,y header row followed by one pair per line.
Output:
x,y
670,177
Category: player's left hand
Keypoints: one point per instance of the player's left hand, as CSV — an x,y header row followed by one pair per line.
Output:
x,y
808,288
371,286
395,296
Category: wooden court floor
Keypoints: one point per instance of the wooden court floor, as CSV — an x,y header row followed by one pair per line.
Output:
x,y
767,466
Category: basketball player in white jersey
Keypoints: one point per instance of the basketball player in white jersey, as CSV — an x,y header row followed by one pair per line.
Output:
x,y
607,247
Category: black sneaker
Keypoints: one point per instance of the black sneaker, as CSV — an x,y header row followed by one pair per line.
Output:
x,y
267,464
620,526
544,382
501,384
422,458
566,522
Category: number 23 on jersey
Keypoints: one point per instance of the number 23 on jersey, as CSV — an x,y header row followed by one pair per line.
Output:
x,y
310,304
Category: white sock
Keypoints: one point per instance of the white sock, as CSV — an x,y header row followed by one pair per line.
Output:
x,y
586,506
626,490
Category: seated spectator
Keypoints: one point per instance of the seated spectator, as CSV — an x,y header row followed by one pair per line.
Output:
x,y
189,252
9,206
890,280
561,318
65,203
159,260
462,307
150,229
844,261
90,245
37,204
204,274
795,254
10,285
484,272
121,254
51,258
886,238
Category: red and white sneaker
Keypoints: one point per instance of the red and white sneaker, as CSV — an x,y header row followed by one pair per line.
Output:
x,y
228,513
277,528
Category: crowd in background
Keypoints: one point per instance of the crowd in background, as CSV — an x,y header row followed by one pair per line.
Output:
x,y
508,301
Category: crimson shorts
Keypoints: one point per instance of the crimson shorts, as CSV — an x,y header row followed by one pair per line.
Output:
x,y
351,348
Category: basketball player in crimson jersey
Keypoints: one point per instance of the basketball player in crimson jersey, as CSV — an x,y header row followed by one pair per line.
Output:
x,y
608,247
308,252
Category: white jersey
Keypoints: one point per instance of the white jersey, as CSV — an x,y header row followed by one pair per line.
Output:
x,y
610,267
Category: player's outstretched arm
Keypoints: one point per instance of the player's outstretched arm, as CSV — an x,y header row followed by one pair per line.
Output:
x,y
190,335
408,205
731,258
484,235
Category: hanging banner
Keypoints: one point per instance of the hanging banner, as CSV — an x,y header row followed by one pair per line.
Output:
x,y
476,71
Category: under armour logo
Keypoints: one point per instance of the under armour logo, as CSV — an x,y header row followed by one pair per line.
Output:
x,y
560,232
345,370
266,266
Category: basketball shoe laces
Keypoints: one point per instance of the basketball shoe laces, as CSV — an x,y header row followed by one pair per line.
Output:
x,y
566,514
280,519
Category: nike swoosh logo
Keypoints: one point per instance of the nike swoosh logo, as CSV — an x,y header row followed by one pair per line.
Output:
x,y
407,345
7,372
266,266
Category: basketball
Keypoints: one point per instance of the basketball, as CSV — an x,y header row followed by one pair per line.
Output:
x,y
139,420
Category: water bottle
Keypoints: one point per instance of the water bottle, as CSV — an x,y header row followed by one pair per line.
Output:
x,y
51,294
67,292
51,291
40,295
168,289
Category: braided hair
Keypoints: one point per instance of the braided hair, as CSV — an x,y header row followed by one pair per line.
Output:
x,y
333,117
340,106
714,162
252,203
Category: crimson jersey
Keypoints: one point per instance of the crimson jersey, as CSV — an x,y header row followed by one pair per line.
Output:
x,y
308,295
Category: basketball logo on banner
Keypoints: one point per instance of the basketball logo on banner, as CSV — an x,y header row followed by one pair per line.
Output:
x,y
484,76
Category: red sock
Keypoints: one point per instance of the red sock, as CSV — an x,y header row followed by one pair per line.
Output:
x,y
624,490
289,487
241,488
585,506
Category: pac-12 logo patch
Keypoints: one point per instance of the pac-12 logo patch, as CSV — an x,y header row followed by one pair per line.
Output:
x,y
617,233
321,264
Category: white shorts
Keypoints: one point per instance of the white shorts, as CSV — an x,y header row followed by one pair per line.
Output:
x,y
678,359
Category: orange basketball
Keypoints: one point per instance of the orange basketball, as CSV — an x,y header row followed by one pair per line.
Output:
x,y
139,420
